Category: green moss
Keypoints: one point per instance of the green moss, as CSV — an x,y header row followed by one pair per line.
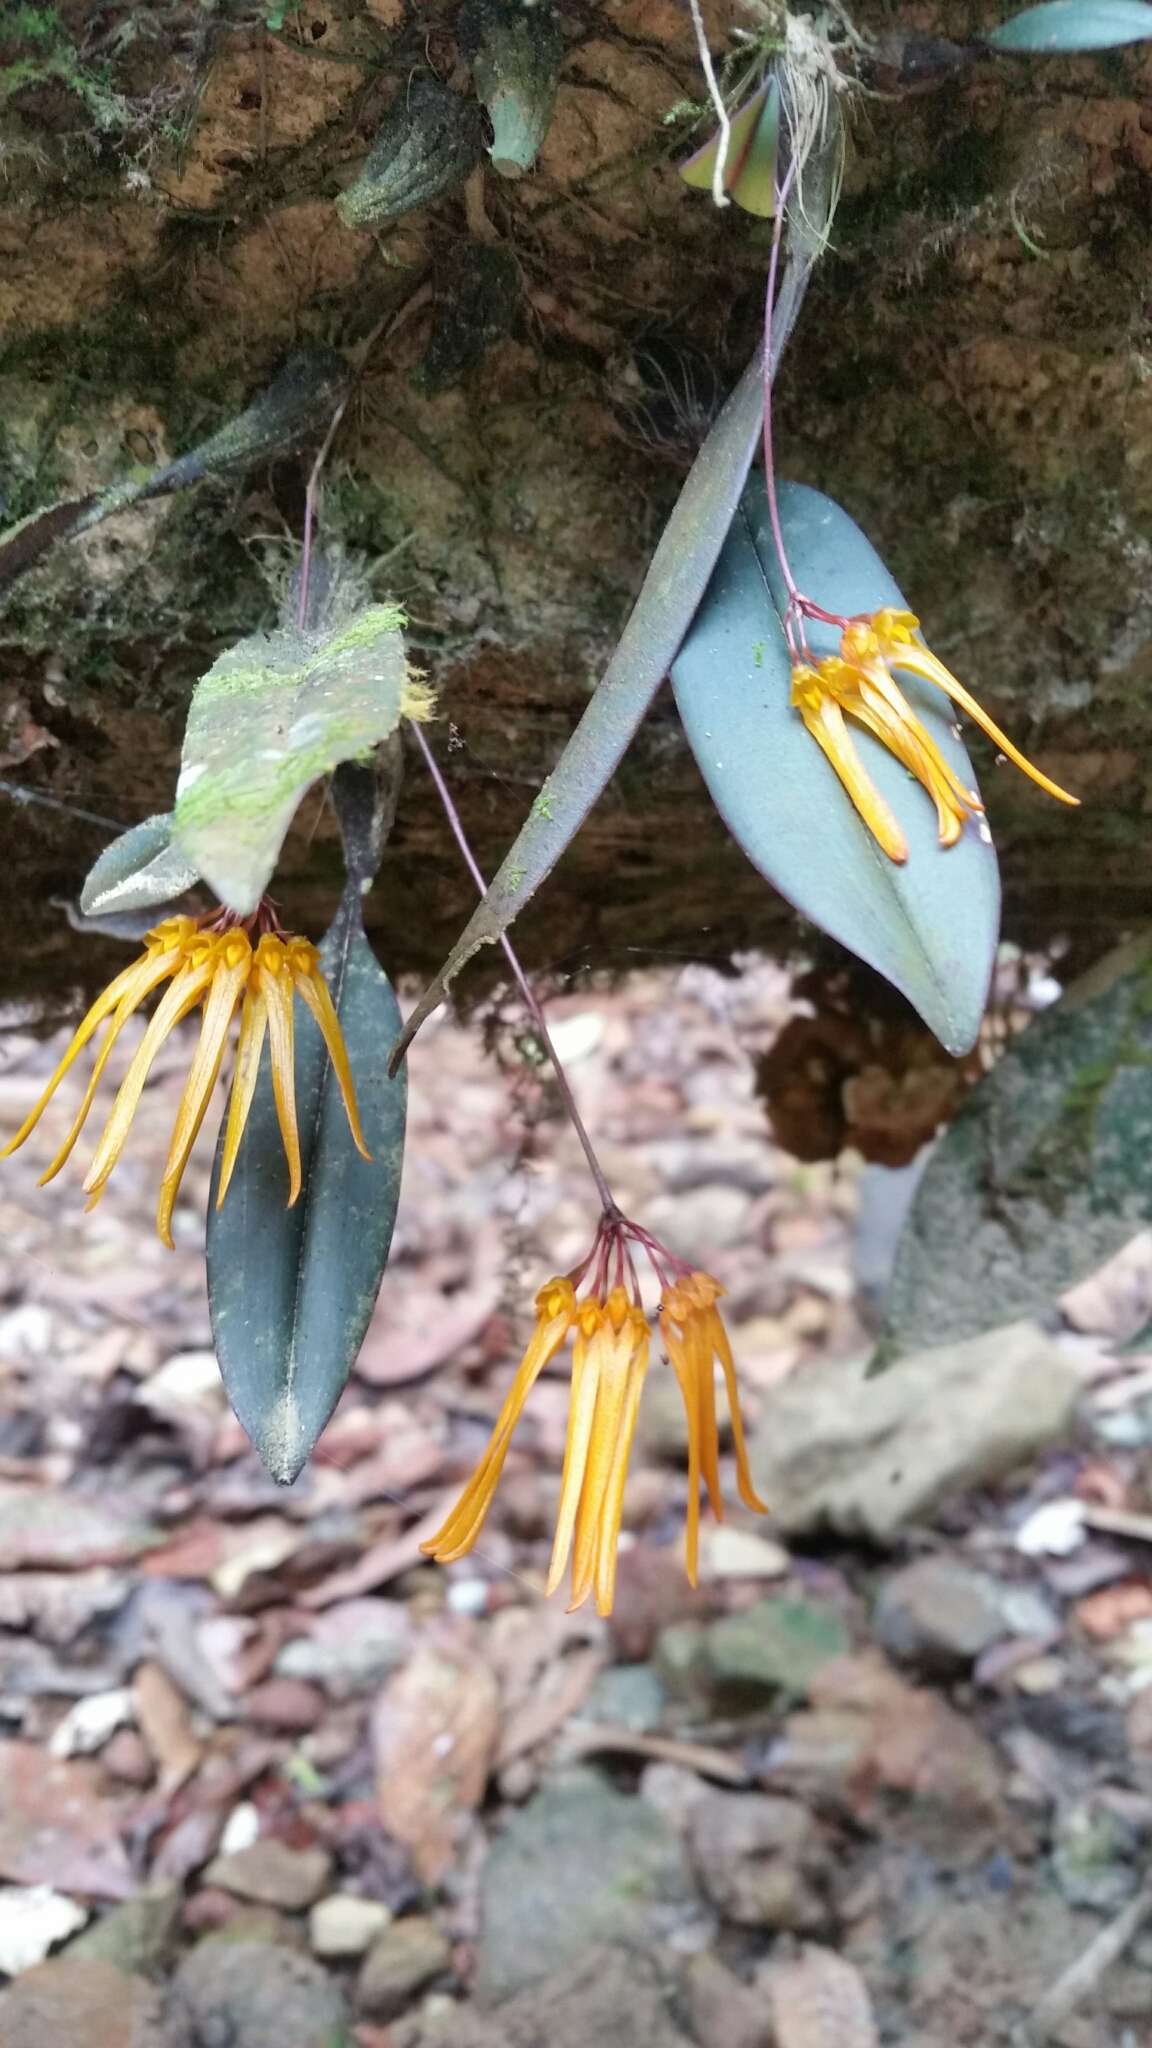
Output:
x,y
44,53
372,624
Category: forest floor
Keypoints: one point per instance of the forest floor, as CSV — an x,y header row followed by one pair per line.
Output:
x,y
267,1777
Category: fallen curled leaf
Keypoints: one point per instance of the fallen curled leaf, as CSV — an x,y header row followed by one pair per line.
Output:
x,y
431,1330
565,1690
434,1734
165,1721
56,1829
1107,1614
819,2000
380,1562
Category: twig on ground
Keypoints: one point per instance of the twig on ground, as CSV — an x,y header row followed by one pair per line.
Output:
x,y
1081,1978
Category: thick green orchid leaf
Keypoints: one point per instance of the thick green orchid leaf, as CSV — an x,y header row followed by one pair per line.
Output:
x,y
1046,1171
753,148
139,871
364,797
431,139
273,715
1070,25
516,54
300,400
291,1291
677,575
930,926
298,403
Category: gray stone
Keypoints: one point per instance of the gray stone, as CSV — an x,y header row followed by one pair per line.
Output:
x,y
603,1999
82,2004
673,1790
715,1215
662,1428
1096,1855
776,1646
250,1995
939,1615
725,2012
629,1695
351,1648
756,1857
867,1456
581,1864
343,1925
679,1659
273,1874
401,1961
262,1924
137,1936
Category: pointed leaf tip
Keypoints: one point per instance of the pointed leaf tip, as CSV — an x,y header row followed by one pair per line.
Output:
x,y
750,163
291,1290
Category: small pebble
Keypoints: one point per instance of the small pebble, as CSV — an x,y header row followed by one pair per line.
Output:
x,y
343,1925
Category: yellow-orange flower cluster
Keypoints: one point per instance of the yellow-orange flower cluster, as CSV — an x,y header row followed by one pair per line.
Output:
x,y
610,1348
217,966
858,683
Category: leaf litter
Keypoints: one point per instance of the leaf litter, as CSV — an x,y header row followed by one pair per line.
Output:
x,y
197,1665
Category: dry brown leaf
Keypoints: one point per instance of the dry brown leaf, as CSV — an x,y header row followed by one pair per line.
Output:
x,y
431,1329
566,1687
56,1829
1112,1611
380,1562
819,2000
434,1733
165,1722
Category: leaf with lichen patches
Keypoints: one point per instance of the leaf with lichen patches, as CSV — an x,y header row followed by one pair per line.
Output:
x,y
273,715
138,871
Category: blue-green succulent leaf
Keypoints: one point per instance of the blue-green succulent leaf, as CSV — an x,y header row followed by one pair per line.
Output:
x,y
1070,25
291,1291
931,925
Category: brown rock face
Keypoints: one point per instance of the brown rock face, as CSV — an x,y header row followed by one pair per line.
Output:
x,y
539,358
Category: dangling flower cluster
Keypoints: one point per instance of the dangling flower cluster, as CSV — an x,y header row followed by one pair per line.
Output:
x,y
212,962
610,1346
858,683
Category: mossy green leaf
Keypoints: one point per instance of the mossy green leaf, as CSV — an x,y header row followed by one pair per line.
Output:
x,y
273,715
140,870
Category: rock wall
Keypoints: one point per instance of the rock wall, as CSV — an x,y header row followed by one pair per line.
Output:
x,y
972,377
